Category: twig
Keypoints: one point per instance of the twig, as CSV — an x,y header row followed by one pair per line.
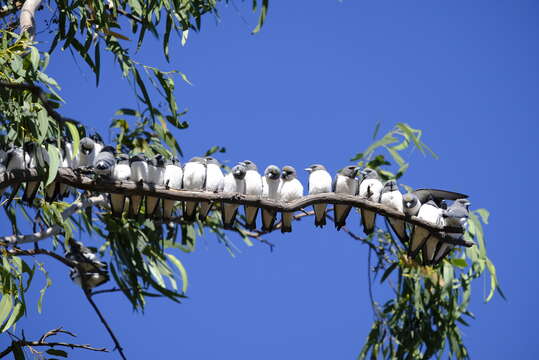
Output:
x,y
42,342
117,344
34,252
56,229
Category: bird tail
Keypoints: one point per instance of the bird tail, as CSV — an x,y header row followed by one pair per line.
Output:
x,y
152,204
399,228
117,204
30,191
443,249
341,213
135,204
418,238
14,190
52,191
368,219
189,212
268,219
228,214
319,214
429,249
250,217
204,209
286,222
168,209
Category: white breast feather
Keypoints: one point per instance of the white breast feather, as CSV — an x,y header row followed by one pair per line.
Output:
x,y
319,182
393,199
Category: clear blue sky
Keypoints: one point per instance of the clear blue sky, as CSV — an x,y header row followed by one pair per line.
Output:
x,y
310,88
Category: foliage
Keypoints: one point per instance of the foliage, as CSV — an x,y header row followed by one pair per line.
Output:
x,y
429,304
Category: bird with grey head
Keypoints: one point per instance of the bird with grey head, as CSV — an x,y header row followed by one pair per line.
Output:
x,y
214,183
270,188
346,183
320,182
370,189
234,183
455,215
156,172
253,186
194,178
392,198
172,180
139,174
291,189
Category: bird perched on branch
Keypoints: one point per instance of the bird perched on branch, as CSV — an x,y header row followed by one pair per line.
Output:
x,y
194,177
156,172
120,172
431,213
16,159
290,190
455,215
139,174
234,183
412,201
371,189
319,183
345,182
253,186
270,190
392,197
173,180
104,162
88,150
214,183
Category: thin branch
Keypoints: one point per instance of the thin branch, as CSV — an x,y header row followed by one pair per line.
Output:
x,y
10,9
104,322
41,342
34,252
41,95
27,18
56,229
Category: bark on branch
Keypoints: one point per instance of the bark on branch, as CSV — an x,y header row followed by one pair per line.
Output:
x,y
27,18
84,182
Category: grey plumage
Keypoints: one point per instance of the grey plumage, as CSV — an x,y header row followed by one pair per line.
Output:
x,y
345,182
431,213
319,182
89,271
104,162
270,190
455,215
89,147
16,159
253,186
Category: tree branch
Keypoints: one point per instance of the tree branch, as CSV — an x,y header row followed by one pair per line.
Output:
x,y
27,18
76,179
104,322
41,342
56,229
34,252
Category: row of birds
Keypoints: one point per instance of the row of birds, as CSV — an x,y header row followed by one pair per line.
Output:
x,y
205,174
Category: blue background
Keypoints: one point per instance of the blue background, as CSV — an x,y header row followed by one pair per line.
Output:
x,y
308,88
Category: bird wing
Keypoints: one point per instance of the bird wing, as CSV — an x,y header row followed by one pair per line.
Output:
x,y
424,195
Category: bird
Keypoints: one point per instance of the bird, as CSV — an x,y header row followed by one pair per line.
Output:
x,y
88,280
345,182
172,179
120,172
320,182
104,162
412,201
156,172
253,186
88,150
194,177
234,183
431,213
392,197
214,183
85,258
139,174
3,161
70,160
38,157
291,189
16,159
455,215
370,188
270,188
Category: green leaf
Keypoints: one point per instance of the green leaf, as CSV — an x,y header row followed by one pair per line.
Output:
x,y
74,136
34,58
48,283
484,214
54,163
182,270
6,304
388,271
43,122
493,279
18,312
461,263
262,17
57,352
